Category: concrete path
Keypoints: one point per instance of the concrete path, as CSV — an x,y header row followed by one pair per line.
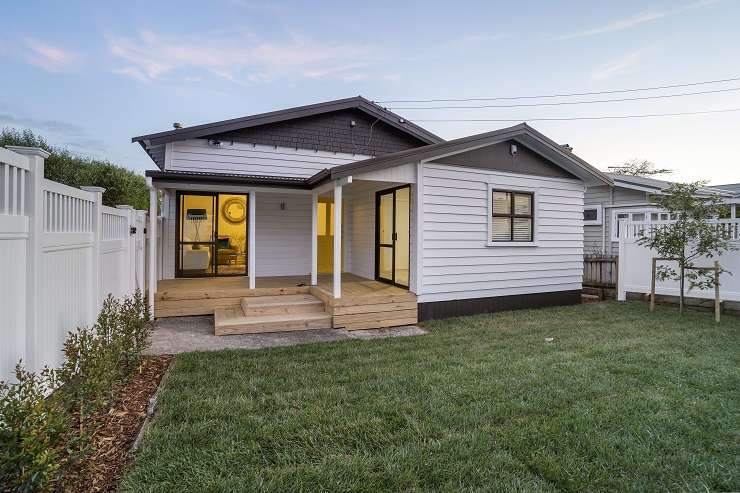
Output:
x,y
184,334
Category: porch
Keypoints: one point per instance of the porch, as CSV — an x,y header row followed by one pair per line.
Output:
x,y
338,255
364,303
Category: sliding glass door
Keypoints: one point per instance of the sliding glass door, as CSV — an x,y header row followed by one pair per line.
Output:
x,y
392,236
211,234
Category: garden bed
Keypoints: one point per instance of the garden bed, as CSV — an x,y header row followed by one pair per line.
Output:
x,y
116,427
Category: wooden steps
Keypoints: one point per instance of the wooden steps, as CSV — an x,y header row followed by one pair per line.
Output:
x,y
369,306
589,298
278,305
258,314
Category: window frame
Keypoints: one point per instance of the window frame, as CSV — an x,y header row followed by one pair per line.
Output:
x,y
533,193
599,215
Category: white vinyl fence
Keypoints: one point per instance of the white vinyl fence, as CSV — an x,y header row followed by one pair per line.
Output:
x,y
635,263
61,253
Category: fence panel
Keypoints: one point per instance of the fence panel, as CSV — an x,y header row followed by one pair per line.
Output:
x,y
14,230
114,251
635,264
61,253
600,272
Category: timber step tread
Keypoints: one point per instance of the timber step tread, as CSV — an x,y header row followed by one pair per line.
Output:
x,y
284,304
233,321
285,299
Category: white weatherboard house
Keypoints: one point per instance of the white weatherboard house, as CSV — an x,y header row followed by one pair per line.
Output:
x,y
343,214
607,209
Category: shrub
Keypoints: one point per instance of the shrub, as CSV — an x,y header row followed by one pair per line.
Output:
x,y
37,439
99,358
33,432
122,186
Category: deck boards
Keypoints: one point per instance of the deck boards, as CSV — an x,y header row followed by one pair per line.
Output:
x,y
365,303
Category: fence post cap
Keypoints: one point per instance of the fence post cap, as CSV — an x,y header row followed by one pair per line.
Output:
x,y
125,206
93,189
29,151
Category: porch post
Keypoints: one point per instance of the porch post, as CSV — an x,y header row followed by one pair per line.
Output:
x,y
251,251
337,268
152,233
314,241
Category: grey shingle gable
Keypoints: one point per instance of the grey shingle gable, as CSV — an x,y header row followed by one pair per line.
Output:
x,y
395,129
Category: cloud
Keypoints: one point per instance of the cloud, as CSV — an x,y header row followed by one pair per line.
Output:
x,y
618,66
47,57
240,57
61,132
634,21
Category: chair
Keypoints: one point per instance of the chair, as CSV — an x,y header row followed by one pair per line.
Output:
x,y
227,251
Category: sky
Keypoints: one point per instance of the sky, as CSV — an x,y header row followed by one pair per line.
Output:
x,y
91,75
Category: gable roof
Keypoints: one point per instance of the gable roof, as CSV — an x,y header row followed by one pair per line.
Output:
x,y
153,144
522,133
733,188
653,185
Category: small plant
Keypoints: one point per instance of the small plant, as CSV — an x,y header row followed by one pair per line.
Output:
x,y
97,359
37,436
690,237
33,432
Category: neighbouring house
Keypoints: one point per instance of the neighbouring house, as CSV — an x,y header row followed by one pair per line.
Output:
x,y
344,214
607,208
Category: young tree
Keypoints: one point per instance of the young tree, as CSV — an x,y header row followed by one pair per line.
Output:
x,y
690,237
636,167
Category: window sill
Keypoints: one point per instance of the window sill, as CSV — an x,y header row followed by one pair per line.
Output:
x,y
512,244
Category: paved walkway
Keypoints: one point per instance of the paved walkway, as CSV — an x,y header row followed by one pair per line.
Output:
x,y
184,334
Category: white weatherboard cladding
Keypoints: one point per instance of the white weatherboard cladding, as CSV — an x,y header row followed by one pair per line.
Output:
x,y
283,236
458,264
405,173
197,155
360,233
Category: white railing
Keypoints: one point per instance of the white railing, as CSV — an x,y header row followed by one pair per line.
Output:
x,y
635,262
637,229
61,253
13,172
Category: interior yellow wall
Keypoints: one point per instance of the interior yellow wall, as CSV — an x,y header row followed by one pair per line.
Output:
x,y
205,229
237,233
325,242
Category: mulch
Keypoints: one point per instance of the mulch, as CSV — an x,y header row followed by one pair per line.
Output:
x,y
116,428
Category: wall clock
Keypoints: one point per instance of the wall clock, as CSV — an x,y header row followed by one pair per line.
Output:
x,y
234,210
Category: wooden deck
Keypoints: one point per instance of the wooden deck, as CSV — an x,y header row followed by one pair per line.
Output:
x,y
364,304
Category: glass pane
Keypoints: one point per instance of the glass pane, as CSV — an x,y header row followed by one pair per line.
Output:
x,y
385,263
330,219
402,236
501,227
653,216
725,212
196,221
590,215
638,216
663,216
231,244
196,259
623,216
522,229
321,219
501,203
386,219
523,204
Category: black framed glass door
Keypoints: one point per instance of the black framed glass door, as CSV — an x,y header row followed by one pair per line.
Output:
x,y
211,234
392,221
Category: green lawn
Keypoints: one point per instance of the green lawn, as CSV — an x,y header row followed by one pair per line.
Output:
x,y
621,400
